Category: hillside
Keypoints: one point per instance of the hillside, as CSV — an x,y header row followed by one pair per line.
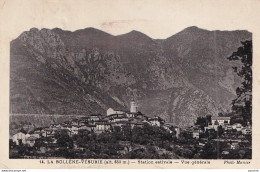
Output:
x,y
88,71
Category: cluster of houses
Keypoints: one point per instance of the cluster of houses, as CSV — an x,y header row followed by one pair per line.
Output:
x,y
233,135
224,122
97,123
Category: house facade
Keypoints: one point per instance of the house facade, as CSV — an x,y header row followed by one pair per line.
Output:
x,y
220,120
20,137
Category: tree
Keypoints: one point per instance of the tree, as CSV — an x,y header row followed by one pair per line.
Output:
x,y
220,131
208,119
243,103
202,122
63,139
209,151
22,150
11,144
127,133
39,143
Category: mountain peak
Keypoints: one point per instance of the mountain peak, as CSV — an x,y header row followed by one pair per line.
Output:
x,y
194,29
137,33
34,29
59,30
134,35
91,30
87,31
85,71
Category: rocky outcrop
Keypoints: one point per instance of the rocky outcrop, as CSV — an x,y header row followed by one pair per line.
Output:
x,y
88,71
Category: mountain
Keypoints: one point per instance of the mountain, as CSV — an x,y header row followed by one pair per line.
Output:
x,y
87,71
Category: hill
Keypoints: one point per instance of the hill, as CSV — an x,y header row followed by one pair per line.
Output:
x,y
87,71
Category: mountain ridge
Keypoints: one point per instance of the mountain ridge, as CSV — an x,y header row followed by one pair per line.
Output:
x,y
56,29
88,71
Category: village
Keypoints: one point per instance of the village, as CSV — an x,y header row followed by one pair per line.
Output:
x,y
209,129
96,123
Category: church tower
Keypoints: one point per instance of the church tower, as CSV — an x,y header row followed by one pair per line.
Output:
x,y
133,107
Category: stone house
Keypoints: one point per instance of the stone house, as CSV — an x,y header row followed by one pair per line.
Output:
x,y
20,137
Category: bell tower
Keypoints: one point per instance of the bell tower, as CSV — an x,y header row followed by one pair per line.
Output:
x,y
133,107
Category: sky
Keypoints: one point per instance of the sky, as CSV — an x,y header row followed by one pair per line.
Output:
x,y
158,19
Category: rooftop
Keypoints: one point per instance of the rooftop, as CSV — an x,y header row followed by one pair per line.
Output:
x,y
220,118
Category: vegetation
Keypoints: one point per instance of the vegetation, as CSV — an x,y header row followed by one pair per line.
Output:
x,y
140,142
243,103
147,142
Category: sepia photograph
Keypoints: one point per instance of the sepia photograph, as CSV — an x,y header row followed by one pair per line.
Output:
x,y
164,84
88,94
